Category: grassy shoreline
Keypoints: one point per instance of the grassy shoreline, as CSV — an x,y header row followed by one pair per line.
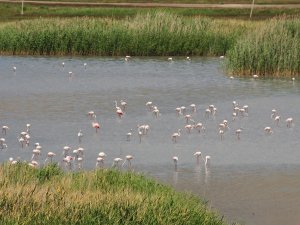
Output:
x,y
51,196
267,48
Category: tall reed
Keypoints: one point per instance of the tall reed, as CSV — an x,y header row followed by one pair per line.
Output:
x,y
272,50
51,196
156,33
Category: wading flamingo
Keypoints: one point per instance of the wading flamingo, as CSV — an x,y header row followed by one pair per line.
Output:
x,y
176,135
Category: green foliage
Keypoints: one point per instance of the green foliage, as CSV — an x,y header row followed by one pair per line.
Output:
x,y
156,33
51,196
272,50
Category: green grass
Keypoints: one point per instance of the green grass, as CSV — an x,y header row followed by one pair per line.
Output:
x,y
152,34
51,196
12,11
272,50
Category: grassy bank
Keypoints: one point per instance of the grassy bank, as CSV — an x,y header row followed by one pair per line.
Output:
x,y
152,34
272,50
12,11
269,47
50,196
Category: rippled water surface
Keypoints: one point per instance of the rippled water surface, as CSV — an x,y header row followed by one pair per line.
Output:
x,y
254,180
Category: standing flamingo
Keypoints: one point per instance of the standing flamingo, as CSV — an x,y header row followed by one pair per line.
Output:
x,y
66,151
5,129
289,122
80,135
96,125
128,135
175,159
123,105
100,162
116,162
176,135
198,155
50,156
238,133
128,160
268,130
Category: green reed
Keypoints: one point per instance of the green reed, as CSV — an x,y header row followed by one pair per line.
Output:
x,y
156,33
272,50
51,196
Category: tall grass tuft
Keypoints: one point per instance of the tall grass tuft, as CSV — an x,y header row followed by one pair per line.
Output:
x,y
156,33
272,50
51,196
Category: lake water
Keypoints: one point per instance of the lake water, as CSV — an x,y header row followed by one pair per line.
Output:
x,y
254,180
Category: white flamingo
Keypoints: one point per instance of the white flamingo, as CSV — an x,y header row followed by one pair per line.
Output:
x,y
268,130
175,160
5,129
80,136
176,135
289,122
128,160
116,162
50,156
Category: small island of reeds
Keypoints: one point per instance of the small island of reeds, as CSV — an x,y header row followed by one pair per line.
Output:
x,y
50,195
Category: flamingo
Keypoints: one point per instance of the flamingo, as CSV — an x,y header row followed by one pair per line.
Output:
x,y
255,76
33,164
276,119
140,133
79,163
3,145
14,69
84,65
289,122
128,160
127,57
119,113
175,159
149,104
207,161
100,162
238,133
68,162
176,135
198,155
188,58
28,125
128,135
21,141
183,108
268,130
187,118
96,125
5,129
178,111
155,111
63,64
91,114
199,127
102,154
194,109
221,132
70,73
66,151
170,59
123,105
116,162
50,156
189,128
35,154
80,135
234,115
274,113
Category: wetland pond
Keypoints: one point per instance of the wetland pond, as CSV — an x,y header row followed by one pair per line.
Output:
x,y
254,180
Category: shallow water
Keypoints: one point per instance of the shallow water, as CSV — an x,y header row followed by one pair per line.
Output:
x,y
252,180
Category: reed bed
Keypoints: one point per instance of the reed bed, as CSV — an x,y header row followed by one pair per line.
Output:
x,y
272,50
51,196
152,34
